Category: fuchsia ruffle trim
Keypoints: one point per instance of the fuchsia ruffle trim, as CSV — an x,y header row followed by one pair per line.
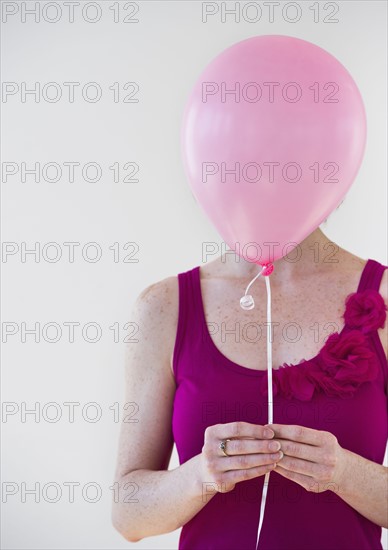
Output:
x,y
345,361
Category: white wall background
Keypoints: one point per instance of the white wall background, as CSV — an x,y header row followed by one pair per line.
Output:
x,y
163,52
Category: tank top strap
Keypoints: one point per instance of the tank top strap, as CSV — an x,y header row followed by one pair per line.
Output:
x,y
190,326
371,276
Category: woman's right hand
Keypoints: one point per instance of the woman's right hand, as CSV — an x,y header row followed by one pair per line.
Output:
x,y
252,453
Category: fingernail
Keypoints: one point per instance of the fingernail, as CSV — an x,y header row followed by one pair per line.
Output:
x,y
274,446
268,432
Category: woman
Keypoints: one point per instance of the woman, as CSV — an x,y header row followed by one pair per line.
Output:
x,y
198,376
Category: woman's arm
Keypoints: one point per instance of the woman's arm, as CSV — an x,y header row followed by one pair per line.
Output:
x,y
166,500
363,484
315,460
156,500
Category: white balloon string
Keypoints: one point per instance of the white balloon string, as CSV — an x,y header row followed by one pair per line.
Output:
x,y
254,279
270,401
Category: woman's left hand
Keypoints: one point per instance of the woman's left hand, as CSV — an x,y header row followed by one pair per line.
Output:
x,y
312,458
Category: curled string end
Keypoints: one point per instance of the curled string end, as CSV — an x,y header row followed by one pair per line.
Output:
x,y
247,302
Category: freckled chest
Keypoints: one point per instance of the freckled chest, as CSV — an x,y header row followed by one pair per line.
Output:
x,y
303,316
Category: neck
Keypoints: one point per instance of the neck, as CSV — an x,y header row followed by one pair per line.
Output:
x,y
310,255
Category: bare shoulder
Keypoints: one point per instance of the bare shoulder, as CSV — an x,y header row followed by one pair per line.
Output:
x,y
149,383
352,266
383,290
155,312
158,297
348,263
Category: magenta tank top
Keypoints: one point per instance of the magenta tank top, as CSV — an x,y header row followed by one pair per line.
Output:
x,y
342,390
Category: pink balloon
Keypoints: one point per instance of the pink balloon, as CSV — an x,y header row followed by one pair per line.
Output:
x,y
273,135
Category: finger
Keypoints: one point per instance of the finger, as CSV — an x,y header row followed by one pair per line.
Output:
x,y
241,429
297,433
235,476
298,466
300,450
307,482
251,446
243,462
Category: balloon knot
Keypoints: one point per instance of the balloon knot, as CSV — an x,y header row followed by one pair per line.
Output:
x,y
268,268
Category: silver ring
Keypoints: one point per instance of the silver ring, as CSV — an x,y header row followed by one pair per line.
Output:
x,y
223,446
